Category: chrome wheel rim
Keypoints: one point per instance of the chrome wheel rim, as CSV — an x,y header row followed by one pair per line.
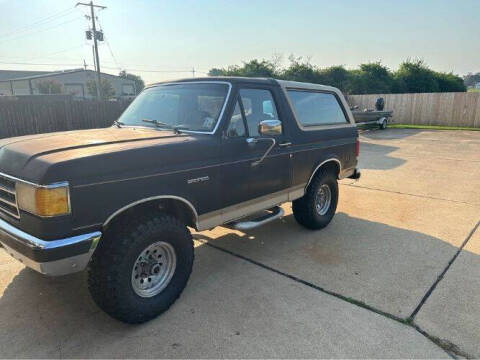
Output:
x,y
153,269
323,199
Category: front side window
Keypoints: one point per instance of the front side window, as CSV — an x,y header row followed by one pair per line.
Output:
x,y
258,105
316,108
189,106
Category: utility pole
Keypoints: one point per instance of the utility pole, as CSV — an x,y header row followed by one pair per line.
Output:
x,y
95,45
84,65
94,61
193,71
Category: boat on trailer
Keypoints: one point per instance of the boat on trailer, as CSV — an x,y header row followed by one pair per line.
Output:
x,y
375,116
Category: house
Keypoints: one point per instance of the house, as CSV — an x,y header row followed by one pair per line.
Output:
x,y
477,85
72,82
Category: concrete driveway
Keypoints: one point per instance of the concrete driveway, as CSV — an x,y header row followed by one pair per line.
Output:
x,y
396,274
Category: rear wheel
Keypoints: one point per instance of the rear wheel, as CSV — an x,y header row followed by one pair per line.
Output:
x,y
140,268
383,124
317,207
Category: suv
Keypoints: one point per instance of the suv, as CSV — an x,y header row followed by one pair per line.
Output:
x,y
192,153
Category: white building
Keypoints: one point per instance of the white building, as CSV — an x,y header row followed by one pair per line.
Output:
x,y
73,82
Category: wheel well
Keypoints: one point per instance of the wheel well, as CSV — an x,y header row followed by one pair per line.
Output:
x,y
332,166
329,165
178,208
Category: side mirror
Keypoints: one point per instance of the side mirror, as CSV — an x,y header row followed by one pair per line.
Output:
x,y
270,127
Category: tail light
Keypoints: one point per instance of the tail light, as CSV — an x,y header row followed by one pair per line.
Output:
x,y
358,147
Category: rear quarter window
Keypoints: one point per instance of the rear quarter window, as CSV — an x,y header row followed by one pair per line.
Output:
x,y
316,108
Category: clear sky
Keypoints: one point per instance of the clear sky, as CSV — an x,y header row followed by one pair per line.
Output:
x,y
160,35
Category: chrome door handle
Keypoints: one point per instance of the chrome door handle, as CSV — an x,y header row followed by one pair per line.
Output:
x,y
285,144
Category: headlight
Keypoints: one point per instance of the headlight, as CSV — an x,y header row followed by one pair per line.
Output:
x,y
49,200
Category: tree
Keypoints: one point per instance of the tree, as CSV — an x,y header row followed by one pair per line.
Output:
x,y
49,87
448,82
336,76
417,77
300,70
107,89
253,68
216,72
471,79
371,78
139,83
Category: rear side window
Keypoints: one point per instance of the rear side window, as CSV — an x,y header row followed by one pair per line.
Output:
x,y
316,108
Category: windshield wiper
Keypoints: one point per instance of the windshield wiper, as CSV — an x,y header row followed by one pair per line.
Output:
x,y
118,123
177,129
158,123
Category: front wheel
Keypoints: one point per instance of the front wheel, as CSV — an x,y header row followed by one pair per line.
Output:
x,y
140,268
317,207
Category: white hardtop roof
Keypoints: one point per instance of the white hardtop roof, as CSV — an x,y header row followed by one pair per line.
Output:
x,y
305,85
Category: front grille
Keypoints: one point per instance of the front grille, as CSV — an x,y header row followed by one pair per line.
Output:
x,y
8,196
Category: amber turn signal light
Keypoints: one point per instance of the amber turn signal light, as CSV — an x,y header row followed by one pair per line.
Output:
x,y
52,200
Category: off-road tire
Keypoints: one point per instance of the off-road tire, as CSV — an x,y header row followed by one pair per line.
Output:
x,y
304,209
110,270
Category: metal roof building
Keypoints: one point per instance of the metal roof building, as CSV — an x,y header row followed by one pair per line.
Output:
x,y
72,82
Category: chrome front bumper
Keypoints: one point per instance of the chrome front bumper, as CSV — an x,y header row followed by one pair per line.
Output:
x,y
55,257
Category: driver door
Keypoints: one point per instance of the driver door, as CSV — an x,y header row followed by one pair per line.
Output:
x,y
244,179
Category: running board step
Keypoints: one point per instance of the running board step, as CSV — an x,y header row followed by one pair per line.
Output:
x,y
272,214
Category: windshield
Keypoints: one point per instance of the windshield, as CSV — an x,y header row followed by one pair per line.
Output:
x,y
191,106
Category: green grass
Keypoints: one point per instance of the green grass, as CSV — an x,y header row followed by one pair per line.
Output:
x,y
473,90
430,127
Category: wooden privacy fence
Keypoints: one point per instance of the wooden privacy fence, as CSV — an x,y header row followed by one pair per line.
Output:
x,y
34,116
42,114
448,109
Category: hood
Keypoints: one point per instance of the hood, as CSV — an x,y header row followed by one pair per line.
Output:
x,y
25,157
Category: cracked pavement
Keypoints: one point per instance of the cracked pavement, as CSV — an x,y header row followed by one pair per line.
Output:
x,y
395,275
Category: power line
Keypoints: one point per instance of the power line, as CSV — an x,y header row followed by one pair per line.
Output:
x,y
57,52
156,71
113,56
43,56
119,67
149,68
109,47
106,67
39,21
42,30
